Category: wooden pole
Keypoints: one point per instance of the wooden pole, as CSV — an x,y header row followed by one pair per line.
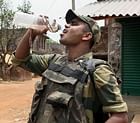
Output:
x,y
73,4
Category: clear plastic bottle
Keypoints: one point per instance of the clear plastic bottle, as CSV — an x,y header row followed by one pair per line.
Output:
x,y
25,20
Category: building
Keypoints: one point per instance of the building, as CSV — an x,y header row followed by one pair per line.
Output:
x,y
122,23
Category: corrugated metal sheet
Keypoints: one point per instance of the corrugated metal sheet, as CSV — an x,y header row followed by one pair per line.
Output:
x,y
111,8
131,56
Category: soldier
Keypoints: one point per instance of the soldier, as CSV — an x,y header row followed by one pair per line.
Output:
x,y
68,91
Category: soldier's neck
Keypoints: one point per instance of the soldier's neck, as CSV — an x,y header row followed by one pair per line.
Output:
x,y
74,53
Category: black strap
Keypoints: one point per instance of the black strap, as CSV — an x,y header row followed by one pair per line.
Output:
x,y
66,71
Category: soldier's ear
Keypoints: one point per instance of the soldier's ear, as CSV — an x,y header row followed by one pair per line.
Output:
x,y
87,36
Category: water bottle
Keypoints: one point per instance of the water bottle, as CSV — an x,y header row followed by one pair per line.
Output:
x,y
25,20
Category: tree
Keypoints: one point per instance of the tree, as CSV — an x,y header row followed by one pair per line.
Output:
x,y
25,7
8,37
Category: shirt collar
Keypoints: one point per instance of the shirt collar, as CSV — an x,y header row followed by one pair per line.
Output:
x,y
85,56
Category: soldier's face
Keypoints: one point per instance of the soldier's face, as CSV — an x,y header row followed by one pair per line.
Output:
x,y
73,32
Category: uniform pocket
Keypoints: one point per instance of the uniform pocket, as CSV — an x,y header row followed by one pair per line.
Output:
x,y
60,88
59,98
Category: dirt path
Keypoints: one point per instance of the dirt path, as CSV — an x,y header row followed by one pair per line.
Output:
x,y
15,100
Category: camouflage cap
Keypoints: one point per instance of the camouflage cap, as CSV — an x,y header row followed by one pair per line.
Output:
x,y
93,26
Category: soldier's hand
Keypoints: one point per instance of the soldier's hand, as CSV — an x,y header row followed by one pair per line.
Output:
x,y
38,29
40,26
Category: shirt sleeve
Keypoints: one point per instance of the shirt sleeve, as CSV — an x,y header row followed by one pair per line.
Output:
x,y
108,90
33,63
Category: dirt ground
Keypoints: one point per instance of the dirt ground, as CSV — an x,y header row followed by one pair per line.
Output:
x,y
16,97
15,100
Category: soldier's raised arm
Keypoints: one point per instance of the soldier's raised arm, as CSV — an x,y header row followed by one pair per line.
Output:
x,y
23,48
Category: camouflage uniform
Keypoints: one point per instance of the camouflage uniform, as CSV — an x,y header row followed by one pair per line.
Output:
x,y
107,92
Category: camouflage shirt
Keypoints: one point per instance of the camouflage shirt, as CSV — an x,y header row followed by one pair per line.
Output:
x,y
106,84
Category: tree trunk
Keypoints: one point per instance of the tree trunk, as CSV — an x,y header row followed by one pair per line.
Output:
x,y
5,72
